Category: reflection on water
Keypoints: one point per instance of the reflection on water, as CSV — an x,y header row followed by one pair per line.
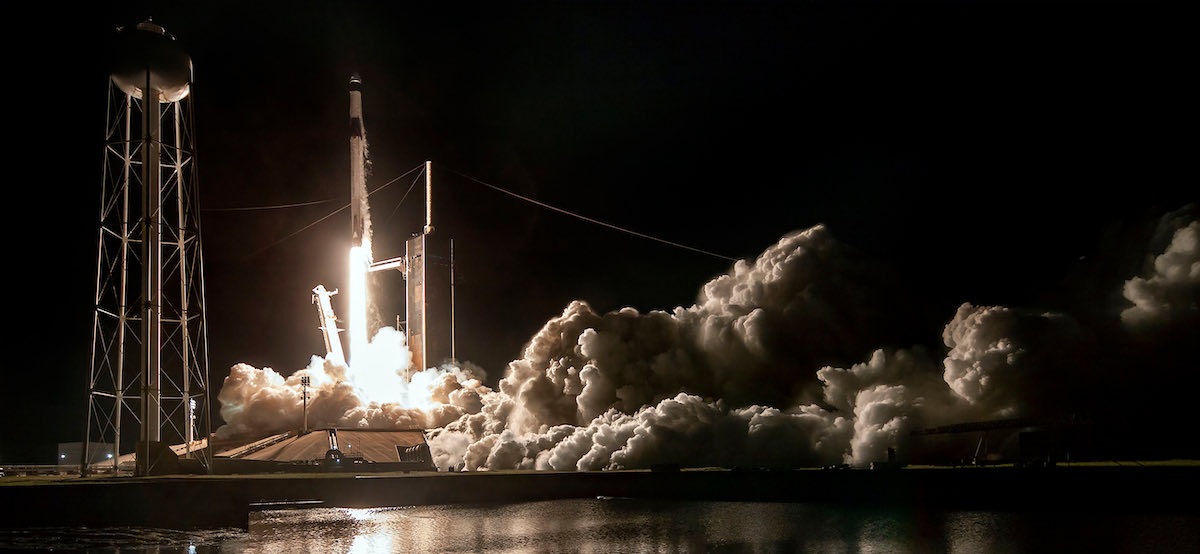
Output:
x,y
624,525
115,539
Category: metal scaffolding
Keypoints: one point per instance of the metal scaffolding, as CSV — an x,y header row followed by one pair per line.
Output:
x,y
149,337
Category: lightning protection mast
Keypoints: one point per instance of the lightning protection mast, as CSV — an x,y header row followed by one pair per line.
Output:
x,y
149,337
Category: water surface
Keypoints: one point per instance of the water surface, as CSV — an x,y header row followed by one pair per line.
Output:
x,y
625,525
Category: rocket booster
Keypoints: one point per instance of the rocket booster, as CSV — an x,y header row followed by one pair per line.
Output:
x,y
358,163
360,247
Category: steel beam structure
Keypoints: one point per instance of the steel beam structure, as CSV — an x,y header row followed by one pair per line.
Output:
x,y
149,337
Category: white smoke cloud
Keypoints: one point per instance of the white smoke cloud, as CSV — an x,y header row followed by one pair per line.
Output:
x,y
1171,289
374,394
1013,363
887,397
684,430
755,335
696,386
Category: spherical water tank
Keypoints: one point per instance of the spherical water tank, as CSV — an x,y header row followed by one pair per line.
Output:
x,y
149,51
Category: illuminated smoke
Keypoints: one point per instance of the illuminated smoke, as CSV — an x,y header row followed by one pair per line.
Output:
x,y
755,336
998,359
1012,363
776,365
886,397
1171,288
372,393
697,385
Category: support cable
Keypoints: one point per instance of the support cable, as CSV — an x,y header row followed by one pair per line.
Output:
x,y
416,180
331,214
591,220
275,207
397,178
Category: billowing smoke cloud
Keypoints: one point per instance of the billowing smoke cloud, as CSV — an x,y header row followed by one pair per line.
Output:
x,y
1171,289
865,409
777,364
889,395
684,430
375,394
730,380
756,335
1010,363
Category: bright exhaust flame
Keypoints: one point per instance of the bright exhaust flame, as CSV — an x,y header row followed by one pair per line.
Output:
x,y
378,373
360,260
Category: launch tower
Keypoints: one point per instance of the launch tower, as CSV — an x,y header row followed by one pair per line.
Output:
x,y
429,287
149,338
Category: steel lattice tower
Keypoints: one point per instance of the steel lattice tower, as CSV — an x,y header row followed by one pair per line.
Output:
x,y
149,338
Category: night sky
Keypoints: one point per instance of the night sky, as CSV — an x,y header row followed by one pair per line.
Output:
x,y
1006,153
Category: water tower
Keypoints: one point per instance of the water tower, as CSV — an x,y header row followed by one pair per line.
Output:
x,y
149,338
